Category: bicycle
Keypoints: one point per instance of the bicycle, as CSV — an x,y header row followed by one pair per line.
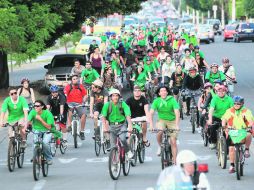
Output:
x,y
237,136
166,150
222,148
100,140
204,131
180,102
39,161
14,149
75,124
118,159
137,145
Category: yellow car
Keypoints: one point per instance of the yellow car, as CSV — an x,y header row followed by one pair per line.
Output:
x,y
82,47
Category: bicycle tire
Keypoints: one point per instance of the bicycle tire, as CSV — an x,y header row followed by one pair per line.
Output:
x,y
223,153
21,156
36,163
180,102
237,163
241,163
44,167
164,158
141,152
205,135
114,159
126,166
62,148
133,150
75,134
11,155
97,146
193,121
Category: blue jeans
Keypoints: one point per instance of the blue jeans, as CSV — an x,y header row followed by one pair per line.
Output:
x,y
45,144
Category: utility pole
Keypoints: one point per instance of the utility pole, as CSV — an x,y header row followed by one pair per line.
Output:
x,y
233,11
222,14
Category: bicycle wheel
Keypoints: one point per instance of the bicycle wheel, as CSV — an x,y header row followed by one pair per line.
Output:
x,y
126,165
11,155
75,134
44,167
97,145
21,155
164,158
193,120
237,163
205,135
36,163
223,153
181,108
105,145
141,152
114,163
62,147
53,147
241,162
133,150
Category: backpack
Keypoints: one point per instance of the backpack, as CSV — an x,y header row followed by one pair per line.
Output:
x,y
71,88
120,106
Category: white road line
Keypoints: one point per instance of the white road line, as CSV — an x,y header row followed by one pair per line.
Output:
x,y
39,185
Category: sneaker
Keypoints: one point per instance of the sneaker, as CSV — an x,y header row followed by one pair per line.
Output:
x,y
23,144
69,129
49,162
246,153
231,170
212,146
159,151
129,155
82,135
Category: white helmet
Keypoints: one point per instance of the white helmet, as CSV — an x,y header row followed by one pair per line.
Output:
x,y
114,91
185,156
98,82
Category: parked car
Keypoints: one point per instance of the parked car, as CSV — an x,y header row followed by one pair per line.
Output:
x,y
244,31
216,25
210,32
202,34
59,69
82,47
229,32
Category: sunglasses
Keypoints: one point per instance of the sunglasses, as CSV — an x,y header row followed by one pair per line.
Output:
x,y
13,93
95,86
238,104
74,78
36,106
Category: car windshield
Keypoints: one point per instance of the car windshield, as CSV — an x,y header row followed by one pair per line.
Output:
x,y
230,27
202,29
248,26
88,41
129,22
213,22
66,61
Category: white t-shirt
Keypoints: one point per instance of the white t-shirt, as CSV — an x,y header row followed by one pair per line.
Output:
x,y
230,72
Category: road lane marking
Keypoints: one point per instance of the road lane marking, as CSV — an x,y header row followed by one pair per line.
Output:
x,y
66,161
39,185
204,158
105,159
194,142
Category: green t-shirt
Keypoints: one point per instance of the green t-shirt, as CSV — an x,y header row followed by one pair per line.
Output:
x,y
221,105
103,38
15,111
115,115
156,63
141,80
116,66
149,68
202,55
193,40
46,115
89,75
217,76
114,42
165,107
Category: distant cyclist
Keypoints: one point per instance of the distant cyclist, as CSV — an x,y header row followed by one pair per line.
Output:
x,y
26,91
77,69
214,74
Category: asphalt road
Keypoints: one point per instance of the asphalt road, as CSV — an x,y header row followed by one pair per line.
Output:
x,y
81,169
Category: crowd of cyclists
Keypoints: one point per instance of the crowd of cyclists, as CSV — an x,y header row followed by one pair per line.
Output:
x,y
158,65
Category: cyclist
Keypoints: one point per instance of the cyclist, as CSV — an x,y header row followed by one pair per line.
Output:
x,y
192,83
193,39
167,69
76,94
116,112
168,113
229,72
197,50
77,69
139,78
219,105
162,55
139,108
88,75
98,97
108,78
97,60
182,47
116,67
26,91
176,80
214,74
188,61
17,112
56,103
42,120
237,117
202,64
131,59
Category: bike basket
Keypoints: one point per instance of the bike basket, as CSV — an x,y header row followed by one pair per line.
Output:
x,y
138,127
237,135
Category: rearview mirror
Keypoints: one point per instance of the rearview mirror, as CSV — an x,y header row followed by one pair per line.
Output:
x,y
47,66
203,168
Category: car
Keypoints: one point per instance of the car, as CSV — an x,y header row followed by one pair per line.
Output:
x,y
244,31
82,47
202,34
187,26
59,69
210,32
216,25
229,32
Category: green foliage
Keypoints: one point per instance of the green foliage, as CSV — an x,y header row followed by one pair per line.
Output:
x,y
249,7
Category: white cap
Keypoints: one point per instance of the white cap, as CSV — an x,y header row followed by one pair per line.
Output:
x,y
185,156
114,91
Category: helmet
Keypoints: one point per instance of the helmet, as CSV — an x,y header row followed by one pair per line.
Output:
x,y
185,156
54,88
98,83
196,47
114,91
193,69
217,81
25,80
238,99
214,65
208,84
225,60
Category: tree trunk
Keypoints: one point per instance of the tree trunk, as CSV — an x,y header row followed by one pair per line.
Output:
x,y
4,72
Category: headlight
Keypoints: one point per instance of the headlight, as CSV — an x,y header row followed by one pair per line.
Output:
x,y
49,77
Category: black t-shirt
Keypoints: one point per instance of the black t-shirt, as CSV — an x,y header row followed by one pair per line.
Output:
x,y
130,59
177,79
56,102
99,97
137,106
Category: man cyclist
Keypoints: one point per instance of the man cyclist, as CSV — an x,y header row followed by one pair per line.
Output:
x,y
168,113
76,94
176,80
77,69
214,74
17,108
219,105
116,112
188,61
88,75
237,117
131,59
56,103
98,97
139,108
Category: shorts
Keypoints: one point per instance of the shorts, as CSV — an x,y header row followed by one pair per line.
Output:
x,y
80,110
161,124
98,107
21,124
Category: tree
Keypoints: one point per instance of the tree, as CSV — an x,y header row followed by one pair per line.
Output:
x,y
249,7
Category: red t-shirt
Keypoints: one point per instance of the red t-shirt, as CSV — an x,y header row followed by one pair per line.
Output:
x,y
75,94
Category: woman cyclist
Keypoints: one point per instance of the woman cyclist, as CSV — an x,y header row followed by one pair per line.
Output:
x,y
26,91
